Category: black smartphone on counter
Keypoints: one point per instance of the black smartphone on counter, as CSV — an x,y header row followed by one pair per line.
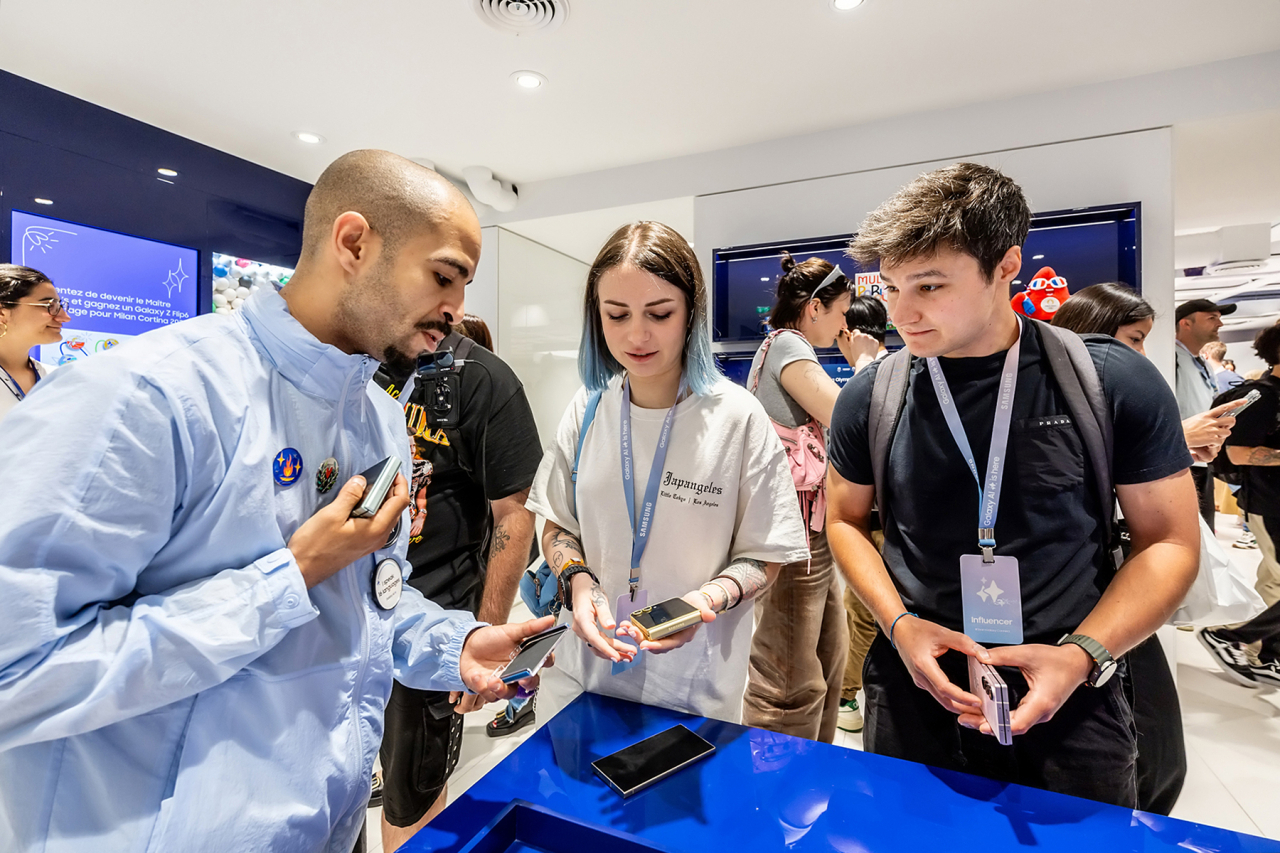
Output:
x,y
629,771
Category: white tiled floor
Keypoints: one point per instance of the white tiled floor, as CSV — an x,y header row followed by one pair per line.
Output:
x,y
1233,738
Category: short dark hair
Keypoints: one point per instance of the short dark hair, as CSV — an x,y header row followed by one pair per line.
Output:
x,y
658,250
398,197
867,314
1101,309
795,289
17,282
964,207
1267,345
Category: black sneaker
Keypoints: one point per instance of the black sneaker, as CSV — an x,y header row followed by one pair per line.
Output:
x,y
500,725
1230,656
1267,672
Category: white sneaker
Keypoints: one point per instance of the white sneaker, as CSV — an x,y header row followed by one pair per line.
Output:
x,y
850,717
1247,541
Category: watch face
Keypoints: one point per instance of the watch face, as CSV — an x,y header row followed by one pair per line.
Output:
x,y
1105,671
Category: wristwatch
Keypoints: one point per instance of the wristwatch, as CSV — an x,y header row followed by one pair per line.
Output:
x,y
567,571
1104,666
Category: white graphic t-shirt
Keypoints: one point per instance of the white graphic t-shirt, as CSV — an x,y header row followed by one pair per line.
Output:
x,y
726,494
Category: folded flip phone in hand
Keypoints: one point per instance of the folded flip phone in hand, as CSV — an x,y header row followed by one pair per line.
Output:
x,y
377,483
990,688
532,655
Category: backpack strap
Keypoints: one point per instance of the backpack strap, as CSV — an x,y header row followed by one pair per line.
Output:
x,y
1077,377
463,349
888,397
593,402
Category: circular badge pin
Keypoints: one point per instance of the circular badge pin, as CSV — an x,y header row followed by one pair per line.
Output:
x,y
287,467
327,475
395,533
387,584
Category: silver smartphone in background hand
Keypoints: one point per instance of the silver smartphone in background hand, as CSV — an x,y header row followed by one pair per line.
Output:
x,y
377,483
989,687
1249,399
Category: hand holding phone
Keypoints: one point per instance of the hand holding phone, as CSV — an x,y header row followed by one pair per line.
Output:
x,y
531,655
991,690
667,625
1226,410
332,538
378,480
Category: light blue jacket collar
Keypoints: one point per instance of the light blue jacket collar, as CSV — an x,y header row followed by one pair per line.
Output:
x,y
316,368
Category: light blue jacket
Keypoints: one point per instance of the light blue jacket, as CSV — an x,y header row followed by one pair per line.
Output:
x,y
167,681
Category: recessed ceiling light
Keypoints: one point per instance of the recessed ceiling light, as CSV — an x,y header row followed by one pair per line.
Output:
x,y
1037,257
764,278
528,79
308,137
43,200
168,173
846,5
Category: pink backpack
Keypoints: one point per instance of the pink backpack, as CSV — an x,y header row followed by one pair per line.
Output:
x,y
806,453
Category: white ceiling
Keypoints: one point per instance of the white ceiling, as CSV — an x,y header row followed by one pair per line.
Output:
x,y
629,80
580,235
1227,171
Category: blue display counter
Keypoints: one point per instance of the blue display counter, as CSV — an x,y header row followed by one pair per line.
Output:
x,y
762,791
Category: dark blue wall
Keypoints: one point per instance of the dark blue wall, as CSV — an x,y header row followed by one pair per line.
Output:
x,y
99,168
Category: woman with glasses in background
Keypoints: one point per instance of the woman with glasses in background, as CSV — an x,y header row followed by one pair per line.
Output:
x,y
30,314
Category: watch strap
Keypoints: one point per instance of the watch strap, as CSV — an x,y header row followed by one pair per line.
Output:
x,y
567,571
1101,657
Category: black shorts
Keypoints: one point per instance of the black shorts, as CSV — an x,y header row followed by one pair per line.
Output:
x,y
418,753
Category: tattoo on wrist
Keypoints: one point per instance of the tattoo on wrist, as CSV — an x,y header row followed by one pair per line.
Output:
x,y
598,598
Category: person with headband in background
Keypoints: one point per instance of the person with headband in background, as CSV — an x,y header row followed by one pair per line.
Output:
x,y
31,314
682,491
802,638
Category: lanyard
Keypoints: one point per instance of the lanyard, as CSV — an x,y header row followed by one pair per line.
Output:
x,y
13,383
988,494
640,528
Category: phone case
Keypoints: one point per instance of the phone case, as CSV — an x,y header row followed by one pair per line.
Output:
x,y
651,629
990,688
378,480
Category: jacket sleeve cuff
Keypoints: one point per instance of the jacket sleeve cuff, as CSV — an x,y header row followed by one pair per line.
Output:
x,y
451,658
287,588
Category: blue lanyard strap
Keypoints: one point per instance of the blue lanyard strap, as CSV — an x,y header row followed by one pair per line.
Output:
x,y
988,493
640,527
13,383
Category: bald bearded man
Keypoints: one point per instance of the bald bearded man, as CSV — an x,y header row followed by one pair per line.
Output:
x,y
193,654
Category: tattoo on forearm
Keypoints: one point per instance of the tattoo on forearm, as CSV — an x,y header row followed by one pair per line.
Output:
x,y
500,539
1263,456
564,546
750,575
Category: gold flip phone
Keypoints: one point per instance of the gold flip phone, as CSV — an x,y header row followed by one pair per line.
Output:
x,y
665,618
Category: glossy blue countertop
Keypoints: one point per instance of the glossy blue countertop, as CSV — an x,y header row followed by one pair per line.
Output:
x,y
763,791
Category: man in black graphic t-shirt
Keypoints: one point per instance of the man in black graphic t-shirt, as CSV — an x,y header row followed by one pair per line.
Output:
x,y
949,245
476,451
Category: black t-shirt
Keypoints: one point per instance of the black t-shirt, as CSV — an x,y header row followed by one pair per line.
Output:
x,y
1259,426
492,453
1049,518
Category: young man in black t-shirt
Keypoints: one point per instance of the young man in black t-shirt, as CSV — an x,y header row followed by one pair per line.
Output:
x,y
476,452
948,246
1254,446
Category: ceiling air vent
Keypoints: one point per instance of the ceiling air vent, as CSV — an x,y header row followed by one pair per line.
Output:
x,y
520,17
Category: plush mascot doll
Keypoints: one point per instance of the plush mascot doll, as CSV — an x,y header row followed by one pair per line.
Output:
x,y
1043,296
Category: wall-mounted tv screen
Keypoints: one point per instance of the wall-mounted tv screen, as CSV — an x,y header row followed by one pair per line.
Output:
x,y
115,286
1083,247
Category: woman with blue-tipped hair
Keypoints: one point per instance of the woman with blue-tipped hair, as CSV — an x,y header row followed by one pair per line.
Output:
x,y
682,491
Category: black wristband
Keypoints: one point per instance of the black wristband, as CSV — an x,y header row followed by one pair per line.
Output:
x,y
566,576
741,595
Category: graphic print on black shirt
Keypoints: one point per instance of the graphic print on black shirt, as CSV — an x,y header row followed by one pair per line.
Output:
x,y
1049,518
492,453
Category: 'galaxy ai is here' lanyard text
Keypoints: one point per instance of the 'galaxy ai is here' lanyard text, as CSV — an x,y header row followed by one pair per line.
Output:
x,y
641,526
988,494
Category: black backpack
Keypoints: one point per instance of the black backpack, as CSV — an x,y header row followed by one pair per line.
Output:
x,y
1222,467
1077,378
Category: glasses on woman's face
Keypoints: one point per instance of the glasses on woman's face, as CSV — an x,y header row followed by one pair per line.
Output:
x,y
55,307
